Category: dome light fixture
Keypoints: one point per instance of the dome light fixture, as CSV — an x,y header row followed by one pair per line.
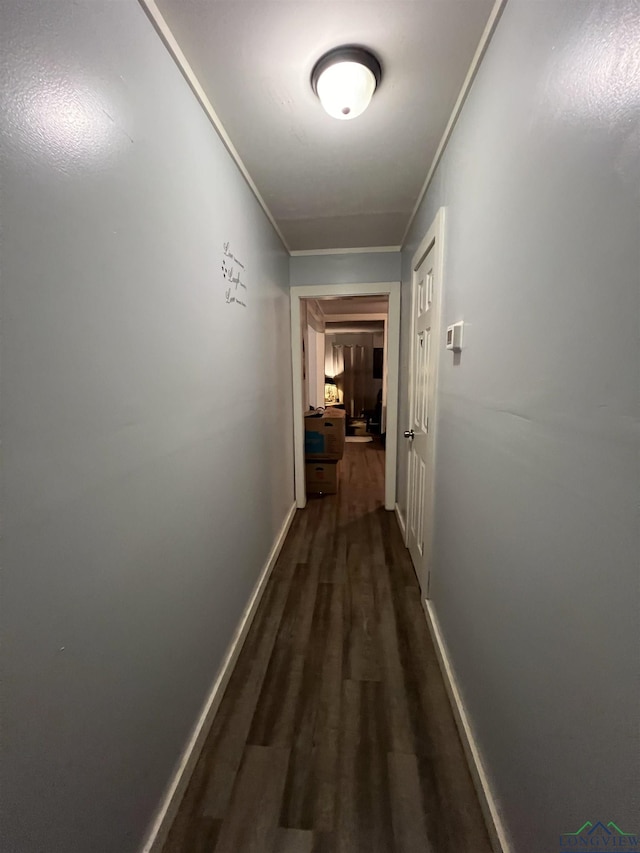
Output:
x,y
345,79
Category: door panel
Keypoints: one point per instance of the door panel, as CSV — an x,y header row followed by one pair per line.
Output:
x,y
425,337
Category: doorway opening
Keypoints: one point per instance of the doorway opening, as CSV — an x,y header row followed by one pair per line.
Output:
x,y
345,349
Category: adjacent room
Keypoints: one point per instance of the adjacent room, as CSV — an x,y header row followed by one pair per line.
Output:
x,y
345,374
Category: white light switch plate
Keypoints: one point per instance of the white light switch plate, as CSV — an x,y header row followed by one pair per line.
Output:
x,y
454,336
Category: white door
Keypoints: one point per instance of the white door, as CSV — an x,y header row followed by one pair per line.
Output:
x,y
426,289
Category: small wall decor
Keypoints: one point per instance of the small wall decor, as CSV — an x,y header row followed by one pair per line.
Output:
x,y
233,272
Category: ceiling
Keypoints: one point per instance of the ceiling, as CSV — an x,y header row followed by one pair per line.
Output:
x,y
355,327
336,308
328,183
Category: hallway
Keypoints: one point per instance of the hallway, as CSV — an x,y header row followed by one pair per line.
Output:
x,y
335,732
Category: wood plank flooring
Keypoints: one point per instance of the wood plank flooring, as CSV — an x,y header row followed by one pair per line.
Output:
x,y
335,734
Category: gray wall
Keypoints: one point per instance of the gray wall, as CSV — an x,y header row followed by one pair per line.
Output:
x,y
536,553
147,424
352,268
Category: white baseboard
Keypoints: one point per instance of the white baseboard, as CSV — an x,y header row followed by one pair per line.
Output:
x,y
497,833
401,524
161,825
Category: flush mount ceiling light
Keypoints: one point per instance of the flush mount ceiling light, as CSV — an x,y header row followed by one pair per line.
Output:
x,y
345,79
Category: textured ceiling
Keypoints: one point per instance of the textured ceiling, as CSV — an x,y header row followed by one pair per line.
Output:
x,y
333,308
328,183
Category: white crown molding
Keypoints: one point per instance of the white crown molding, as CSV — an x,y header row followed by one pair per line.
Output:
x,y
301,253
483,44
162,28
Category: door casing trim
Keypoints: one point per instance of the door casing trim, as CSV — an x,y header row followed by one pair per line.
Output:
x,y
316,291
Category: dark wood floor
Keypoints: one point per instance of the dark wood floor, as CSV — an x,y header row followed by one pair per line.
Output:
x,y
335,734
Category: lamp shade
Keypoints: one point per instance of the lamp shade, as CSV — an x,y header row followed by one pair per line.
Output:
x,y
345,79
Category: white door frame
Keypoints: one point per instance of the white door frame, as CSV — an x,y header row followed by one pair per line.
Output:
x,y
316,291
435,234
